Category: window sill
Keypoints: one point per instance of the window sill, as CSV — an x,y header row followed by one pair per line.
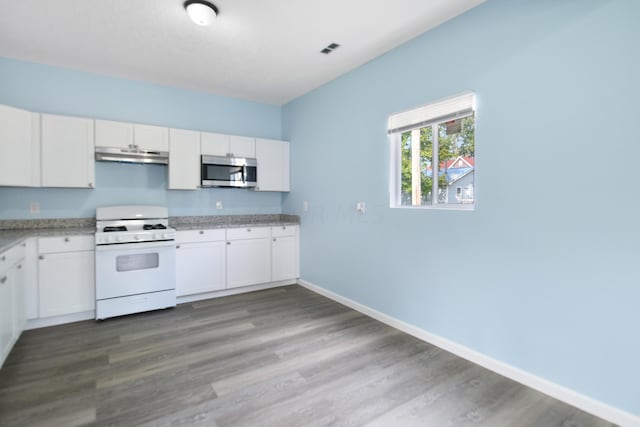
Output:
x,y
441,207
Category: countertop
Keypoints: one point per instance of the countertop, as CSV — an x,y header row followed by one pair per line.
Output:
x,y
13,232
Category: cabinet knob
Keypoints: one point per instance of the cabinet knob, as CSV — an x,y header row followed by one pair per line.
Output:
x,y
3,258
4,279
249,230
201,231
41,257
19,266
177,246
274,239
228,243
66,239
91,185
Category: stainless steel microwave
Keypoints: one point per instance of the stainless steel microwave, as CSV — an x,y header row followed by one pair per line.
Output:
x,y
220,171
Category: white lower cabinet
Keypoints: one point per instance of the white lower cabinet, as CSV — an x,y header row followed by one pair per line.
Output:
x,y
200,261
66,276
248,256
12,314
284,253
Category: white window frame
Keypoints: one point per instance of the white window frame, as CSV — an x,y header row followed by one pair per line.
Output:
x,y
432,114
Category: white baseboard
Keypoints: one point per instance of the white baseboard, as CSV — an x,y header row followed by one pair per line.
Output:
x,y
585,403
59,320
234,291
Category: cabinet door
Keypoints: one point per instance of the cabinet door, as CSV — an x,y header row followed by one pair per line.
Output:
x,y
242,146
284,258
214,144
248,262
200,267
19,313
15,146
67,152
151,138
113,134
67,283
6,315
273,165
184,159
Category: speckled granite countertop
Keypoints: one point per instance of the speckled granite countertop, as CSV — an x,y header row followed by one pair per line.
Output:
x,y
13,232
231,221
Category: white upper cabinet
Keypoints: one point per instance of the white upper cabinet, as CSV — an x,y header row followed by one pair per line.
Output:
x,y
242,146
184,159
16,147
151,138
273,165
217,144
214,144
67,151
114,134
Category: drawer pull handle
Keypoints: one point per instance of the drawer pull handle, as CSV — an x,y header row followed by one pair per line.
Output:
x,y
228,243
177,246
201,231
4,258
274,239
248,229
66,239
41,257
19,266
4,279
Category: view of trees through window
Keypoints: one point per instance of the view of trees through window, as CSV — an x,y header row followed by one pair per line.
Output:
x,y
455,145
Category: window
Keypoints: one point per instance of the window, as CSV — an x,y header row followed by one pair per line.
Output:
x,y
433,155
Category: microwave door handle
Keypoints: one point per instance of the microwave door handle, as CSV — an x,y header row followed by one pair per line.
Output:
x,y
244,173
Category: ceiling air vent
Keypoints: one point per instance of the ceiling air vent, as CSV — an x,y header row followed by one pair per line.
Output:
x,y
330,48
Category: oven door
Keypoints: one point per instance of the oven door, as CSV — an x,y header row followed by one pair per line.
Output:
x,y
135,268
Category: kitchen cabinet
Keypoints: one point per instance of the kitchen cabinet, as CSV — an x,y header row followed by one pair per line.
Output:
x,y
217,144
273,165
16,147
113,134
248,256
151,138
131,136
284,253
67,151
12,313
200,261
184,159
66,275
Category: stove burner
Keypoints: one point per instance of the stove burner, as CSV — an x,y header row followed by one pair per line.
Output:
x,y
154,227
114,228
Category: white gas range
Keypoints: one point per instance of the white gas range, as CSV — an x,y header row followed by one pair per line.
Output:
x,y
135,260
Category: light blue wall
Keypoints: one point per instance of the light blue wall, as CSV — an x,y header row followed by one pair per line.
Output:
x,y
57,90
549,280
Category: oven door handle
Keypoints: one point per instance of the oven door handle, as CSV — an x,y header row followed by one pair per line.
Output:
x,y
143,246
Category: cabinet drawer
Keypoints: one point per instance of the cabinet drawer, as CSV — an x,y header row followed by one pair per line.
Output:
x,y
11,256
47,245
248,233
211,235
284,230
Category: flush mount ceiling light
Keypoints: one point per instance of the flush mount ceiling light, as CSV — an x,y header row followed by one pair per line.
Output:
x,y
201,12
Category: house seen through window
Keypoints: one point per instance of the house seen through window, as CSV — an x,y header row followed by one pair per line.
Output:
x,y
433,155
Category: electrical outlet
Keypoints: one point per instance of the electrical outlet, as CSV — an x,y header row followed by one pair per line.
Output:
x,y
218,204
360,208
34,207
305,206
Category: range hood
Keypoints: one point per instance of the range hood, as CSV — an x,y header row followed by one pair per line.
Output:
x,y
131,155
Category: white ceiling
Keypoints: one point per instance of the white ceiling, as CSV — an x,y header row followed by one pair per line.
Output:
x,y
261,50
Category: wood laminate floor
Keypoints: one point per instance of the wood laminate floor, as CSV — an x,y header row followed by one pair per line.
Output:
x,y
280,357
